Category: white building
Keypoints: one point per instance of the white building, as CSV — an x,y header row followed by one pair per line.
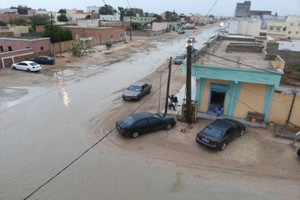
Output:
x,y
115,17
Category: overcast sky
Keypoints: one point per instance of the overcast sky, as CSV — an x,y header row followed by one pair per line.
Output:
x,y
221,8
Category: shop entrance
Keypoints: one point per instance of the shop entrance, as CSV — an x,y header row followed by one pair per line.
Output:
x,y
217,96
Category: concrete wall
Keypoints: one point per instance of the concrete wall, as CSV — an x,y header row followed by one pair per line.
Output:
x,y
280,109
251,99
244,47
249,27
41,44
99,35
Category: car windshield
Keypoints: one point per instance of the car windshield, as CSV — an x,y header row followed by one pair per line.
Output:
x,y
33,64
157,116
135,88
129,120
180,57
212,131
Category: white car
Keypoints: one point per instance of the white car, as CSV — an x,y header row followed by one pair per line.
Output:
x,y
27,66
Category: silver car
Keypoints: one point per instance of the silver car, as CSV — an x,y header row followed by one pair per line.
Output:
x,y
136,91
27,66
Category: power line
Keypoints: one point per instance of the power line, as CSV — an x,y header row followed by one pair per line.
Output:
x,y
96,143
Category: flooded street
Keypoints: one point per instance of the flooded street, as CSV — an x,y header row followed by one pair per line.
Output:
x,y
49,125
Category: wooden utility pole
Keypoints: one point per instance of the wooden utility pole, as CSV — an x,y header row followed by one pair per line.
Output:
x,y
168,87
189,84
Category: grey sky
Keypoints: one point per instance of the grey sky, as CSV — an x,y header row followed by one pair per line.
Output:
x,y
221,8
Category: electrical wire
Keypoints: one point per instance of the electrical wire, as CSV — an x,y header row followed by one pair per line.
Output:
x,y
96,143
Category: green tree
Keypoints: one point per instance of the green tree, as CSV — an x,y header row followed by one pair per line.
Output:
x,y
19,21
77,49
171,16
2,23
122,12
62,11
133,12
39,20
107,10
57,34
136,26
62,18
22,10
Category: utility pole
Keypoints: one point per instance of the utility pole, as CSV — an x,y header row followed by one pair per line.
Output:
x,y
188,82
292,106
168,87
130,28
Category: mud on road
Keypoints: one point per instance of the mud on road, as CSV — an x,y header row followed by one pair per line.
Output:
x,y
257,160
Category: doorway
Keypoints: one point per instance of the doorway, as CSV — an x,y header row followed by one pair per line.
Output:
x,y
217,96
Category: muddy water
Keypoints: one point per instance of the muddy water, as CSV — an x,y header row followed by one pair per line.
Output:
x,y
46,129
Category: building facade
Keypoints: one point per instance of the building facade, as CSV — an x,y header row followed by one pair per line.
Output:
x,y
243,79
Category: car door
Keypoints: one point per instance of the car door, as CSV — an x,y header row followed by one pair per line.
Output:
x,y
156,124
22,66
144,90
142,126
228,135
236,131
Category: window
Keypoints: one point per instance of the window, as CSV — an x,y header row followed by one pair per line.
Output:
x,y
9,48
42,48
142,122
278,28
290,32
1,48
284,28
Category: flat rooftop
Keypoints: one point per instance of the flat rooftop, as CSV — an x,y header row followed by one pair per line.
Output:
x,y
217,56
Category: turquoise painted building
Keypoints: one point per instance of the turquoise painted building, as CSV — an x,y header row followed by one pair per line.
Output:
x,y
240,81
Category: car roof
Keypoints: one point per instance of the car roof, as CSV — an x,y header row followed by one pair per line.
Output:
x,y
27,61
222,124
141,115
138,84
44,57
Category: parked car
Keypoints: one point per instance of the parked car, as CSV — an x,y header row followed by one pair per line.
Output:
x,y
136,124
27,66
44,60
136,91
181,32
179,59
220,132
298,152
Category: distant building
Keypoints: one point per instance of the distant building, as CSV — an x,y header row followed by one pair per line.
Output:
x,y
139,19
243,9
260,13
115,17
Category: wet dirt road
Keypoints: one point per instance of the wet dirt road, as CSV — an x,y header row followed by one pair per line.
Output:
x,y
46,129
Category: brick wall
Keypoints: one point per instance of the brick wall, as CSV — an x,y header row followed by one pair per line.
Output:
x,y
99,35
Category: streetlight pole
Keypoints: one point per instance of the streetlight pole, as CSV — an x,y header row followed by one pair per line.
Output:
x,y
188,82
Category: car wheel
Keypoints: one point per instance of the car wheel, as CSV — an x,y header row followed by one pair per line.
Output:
x,y
135,134
223,146
169,126
28,70
14,68
242,133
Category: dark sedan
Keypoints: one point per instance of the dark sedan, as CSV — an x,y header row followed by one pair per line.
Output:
x,y
144,122
220,132
44,60
136,91
179,59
